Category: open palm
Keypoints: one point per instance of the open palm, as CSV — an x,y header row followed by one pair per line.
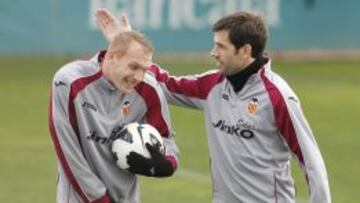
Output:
x,y
109,25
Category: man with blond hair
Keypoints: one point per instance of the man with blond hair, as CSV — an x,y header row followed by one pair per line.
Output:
x,y
90,101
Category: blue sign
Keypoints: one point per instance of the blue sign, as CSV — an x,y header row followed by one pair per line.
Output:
x,y
66,27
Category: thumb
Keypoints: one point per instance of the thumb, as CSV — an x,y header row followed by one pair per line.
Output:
x,y
124,21
154,152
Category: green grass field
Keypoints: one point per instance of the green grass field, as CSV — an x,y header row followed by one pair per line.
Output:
x,y
330,95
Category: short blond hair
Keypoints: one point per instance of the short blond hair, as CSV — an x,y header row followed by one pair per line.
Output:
x,y
122,41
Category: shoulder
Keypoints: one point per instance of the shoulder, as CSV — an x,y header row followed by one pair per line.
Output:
x,y
150,92
149,86
75,70
276,86
149,79
210,77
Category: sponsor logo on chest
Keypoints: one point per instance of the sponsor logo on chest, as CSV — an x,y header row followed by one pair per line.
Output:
x,y
94,136
241,128
88,105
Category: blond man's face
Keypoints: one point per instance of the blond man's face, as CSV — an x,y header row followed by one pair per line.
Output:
x,y
127,71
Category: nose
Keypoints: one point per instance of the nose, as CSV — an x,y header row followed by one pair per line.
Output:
x,y
139,76
214,53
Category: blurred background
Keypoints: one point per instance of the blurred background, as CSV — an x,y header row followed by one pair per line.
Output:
x,y
313,43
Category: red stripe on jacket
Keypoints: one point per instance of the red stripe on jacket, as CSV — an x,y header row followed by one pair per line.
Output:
x,y
75,88
282,117
153,104
198,87
154,114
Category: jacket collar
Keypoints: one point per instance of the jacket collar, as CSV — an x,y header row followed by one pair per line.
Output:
x,y
105,82
239,79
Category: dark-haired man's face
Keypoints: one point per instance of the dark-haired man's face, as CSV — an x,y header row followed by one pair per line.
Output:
x,y
228,60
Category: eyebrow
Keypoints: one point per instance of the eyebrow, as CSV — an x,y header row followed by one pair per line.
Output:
x,y
136,64
219,44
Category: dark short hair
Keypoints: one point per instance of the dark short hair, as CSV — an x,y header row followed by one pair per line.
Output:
x,y
244,28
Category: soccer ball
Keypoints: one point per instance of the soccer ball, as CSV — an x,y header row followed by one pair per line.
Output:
x,y
133,137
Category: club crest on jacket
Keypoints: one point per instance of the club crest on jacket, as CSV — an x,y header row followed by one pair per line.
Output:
x,y
125,108
252,106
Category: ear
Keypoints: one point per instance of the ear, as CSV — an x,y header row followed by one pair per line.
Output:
x,y
247,50
110,55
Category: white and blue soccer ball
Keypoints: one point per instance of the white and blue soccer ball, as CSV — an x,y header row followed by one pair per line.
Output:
x,y
133,137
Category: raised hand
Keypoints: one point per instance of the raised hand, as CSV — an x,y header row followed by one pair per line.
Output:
x,y
109,25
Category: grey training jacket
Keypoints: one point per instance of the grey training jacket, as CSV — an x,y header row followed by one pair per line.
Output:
x,y
84,109
251,135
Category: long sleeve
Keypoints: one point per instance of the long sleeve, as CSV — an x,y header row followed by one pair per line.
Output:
x,y
66,139
158,115
312,162
297,135
187,91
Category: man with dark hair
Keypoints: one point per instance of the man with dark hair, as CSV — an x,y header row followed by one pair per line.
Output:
x,y
86,108
254,120
244,28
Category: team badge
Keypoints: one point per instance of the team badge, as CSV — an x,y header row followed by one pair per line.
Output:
x,y
253,105
125,108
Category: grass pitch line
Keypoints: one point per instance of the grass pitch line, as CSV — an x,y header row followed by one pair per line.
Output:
x,y
194,175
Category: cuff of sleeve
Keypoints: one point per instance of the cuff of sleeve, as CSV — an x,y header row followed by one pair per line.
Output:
x,y
103,199
172,161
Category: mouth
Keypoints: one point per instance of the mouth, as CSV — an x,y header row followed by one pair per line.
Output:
x,y
219,64
131,83
126,85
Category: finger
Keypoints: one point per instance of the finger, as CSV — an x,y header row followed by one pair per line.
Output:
x,y
98,11
134,154
152,150
101,10
124,20
104,17
100,18
108,17
99,23
149,147
101,13
134,157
